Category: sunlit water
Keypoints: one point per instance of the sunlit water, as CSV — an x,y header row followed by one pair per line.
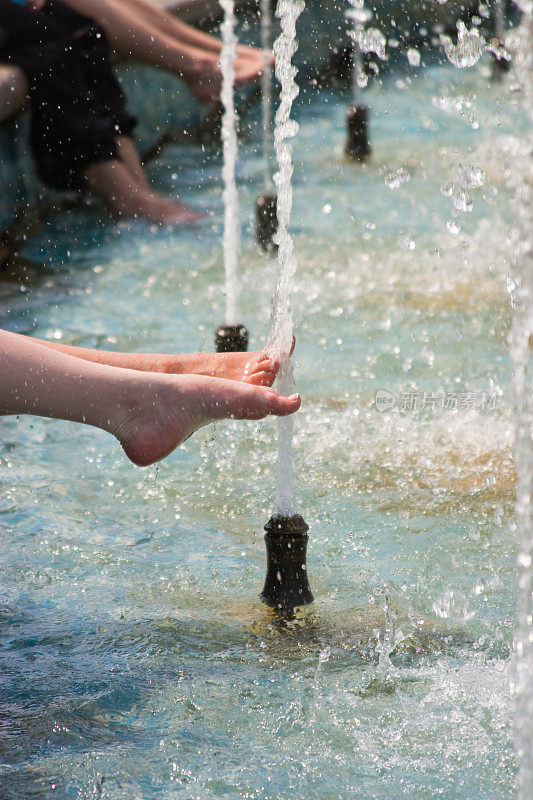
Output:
x,y
266,92
282,322
137,661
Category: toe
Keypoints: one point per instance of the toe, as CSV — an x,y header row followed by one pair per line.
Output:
x,y
264,364
262,378
282,406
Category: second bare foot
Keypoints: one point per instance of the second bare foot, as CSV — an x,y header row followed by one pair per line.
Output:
x,y
164,411
257,368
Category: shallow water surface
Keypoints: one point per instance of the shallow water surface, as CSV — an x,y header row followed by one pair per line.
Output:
x,y
137,660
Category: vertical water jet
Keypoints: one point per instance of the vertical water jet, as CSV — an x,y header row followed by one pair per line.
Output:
x,y
521,176
357,141
286,584
500,64
266,206
231,336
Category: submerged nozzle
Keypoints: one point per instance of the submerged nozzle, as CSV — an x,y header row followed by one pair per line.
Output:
x,y
286,583
231,339
357,144
266,213
500,65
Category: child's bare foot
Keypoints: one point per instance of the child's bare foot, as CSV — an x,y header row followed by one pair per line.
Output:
x,y
167,409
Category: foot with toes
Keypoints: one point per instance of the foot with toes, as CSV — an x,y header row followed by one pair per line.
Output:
x,y
168,409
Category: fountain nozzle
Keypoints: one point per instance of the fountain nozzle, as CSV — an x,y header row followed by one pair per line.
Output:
x,y
500,65
231,339
266,214
286,583
357,144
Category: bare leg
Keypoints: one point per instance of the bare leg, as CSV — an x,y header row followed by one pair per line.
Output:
x,y
255,367
150,414
173,26
127,153
112,181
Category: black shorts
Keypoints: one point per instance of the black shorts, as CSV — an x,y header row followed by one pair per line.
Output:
x,y
78,108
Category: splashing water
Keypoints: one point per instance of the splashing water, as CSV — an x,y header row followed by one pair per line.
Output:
x,y
266,91
371,40
499,20
521,171
387,642
231,239
469,47
280,339
413,57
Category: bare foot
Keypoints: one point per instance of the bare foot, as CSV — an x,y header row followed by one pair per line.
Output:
x,y
249,66
161,210
257,368
113,182
205,78
164,411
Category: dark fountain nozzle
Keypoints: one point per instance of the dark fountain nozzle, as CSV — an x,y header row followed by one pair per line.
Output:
x,y
357,144
266,214
500,65
286,583
231,339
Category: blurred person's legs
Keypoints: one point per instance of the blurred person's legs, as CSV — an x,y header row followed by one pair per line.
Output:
x,y
113,182
173,26
80,128
140,31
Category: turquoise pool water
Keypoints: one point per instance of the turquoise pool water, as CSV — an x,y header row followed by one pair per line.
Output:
x,y
137,661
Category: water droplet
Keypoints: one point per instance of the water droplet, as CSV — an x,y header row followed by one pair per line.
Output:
x,y
468,49
463,202
370,40
453,227
394,179
362,79
413,57
471,177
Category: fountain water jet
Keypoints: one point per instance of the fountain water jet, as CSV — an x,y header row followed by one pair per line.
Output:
x,y
286,585
266,203
230,336
500,64
357,144
521,171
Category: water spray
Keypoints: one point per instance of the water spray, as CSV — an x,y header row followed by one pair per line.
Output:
x,y
521,181
231,336
286,585
357,142
266,206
